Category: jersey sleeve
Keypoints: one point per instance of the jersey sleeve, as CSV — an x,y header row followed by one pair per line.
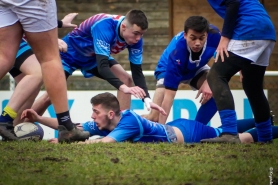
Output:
x,y
127,129
136,52
173,74
91,127
103,34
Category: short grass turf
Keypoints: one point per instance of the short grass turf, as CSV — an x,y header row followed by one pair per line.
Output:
x,y
128,163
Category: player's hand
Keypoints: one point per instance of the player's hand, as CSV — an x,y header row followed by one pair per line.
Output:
x,y
135,91
30,114
222,48
53,140
63,47
158,108
240,76
68,19
205,91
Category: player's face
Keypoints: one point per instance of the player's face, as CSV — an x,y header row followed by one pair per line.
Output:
x,y
132,33
100,116
195,40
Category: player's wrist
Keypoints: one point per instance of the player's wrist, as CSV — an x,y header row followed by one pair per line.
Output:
x,y
147,100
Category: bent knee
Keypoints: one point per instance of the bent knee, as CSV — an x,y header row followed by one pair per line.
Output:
x,y
127,80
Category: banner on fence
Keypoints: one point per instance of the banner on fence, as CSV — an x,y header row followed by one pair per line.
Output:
x,y
184,106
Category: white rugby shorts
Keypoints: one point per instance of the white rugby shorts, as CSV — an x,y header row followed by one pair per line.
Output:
x,y
257,51
34,15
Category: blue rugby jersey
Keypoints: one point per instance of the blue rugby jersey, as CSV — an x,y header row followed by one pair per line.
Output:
x,y
252,23
177,63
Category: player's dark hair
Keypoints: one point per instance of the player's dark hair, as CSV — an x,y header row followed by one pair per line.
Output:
x,y
137,17
196,23
107,101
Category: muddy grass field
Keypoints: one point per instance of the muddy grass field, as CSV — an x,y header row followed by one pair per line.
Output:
x,y
126,163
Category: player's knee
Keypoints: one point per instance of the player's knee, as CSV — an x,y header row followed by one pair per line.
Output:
x,y
127,80
211,75
36,78
45,99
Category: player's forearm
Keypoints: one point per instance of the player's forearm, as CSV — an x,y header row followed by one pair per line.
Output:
x,y
232,7
139,78
50,122
105,72
167,104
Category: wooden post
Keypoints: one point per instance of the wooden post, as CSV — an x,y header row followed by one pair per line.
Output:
x,y
171,16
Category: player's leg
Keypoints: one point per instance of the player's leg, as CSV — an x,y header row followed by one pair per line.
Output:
x,y
157,99
41,32
251,135
218,79
27,74
10,36
32,81
253,76
119,72
43,102
207,110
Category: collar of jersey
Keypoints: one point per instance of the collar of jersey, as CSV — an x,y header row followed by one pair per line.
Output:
x,y
200,57
117,28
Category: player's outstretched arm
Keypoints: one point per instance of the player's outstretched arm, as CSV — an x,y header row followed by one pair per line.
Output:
x,y
102,140
167,104
32,116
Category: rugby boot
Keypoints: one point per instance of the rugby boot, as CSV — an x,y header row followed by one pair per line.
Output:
x,y
73,135
223,138
7,131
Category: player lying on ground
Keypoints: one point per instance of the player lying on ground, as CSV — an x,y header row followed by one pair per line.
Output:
x,y
117,126
185,61
90,47
28,77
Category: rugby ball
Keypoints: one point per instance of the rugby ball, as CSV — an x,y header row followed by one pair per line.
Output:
x,y
29,131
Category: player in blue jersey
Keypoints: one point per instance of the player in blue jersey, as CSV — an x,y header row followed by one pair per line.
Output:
x,y
185,61
90,47
247,40
28,77
117,126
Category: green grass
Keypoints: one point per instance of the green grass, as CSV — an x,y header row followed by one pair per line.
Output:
x,y
127,163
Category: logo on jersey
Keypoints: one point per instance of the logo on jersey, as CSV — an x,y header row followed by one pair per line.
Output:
x,y
178,61
135,51
103,44
91,125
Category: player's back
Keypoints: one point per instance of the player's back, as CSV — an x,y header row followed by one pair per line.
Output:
x,y
81,38
253,22
149,131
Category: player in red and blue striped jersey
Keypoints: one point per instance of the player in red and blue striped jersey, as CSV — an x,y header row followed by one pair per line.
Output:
x,y
90,47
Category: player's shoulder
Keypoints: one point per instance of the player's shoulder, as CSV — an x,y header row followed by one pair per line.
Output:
x,y
214,36
129,115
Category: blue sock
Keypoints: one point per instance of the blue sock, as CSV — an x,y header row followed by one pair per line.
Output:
x,y
206,112
229,121
5,117
264,130
245,124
